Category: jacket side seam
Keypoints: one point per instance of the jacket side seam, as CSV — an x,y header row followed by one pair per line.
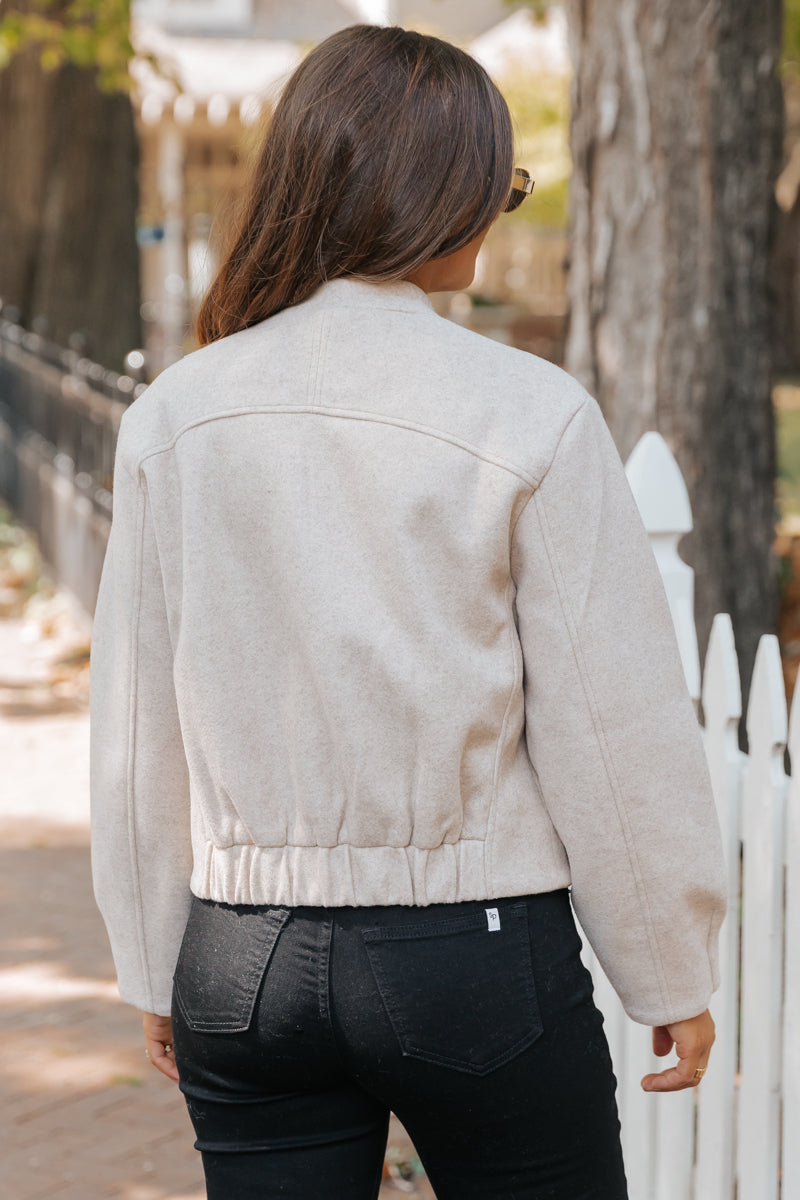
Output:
x,y
501,740
513,529
605,750
133,693
234,808
344,414
131,475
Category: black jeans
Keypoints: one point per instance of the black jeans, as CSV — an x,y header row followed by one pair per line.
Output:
x,y
296,1031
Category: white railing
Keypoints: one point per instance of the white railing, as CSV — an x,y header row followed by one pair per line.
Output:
x,y
738,1136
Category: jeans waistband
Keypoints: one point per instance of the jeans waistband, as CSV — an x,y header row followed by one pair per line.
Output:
x,y
398,914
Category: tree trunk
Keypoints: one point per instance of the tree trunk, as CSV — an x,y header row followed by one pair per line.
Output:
x,y
786,275
68,201
676,142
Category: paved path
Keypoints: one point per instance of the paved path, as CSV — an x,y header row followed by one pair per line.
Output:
x,y
84,1116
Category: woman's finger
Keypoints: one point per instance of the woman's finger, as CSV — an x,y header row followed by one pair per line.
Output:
x,y
662,1042
674,1079
163,1059
158,1044
693,1040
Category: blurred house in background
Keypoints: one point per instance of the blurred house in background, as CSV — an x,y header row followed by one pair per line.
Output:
x,y
220,65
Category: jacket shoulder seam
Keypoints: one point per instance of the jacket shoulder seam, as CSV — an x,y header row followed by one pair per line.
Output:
x,y
605,750
344,414
516,521
561,437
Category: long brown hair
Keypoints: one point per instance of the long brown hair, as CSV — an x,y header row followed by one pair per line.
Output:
x,y
387,149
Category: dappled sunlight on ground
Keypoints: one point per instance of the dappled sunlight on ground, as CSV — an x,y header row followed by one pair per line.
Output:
x,y
43,983
85,1116
138,1192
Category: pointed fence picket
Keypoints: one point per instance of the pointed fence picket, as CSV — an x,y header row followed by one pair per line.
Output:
x,y
675,1122
738,1136
663,501
763,799
722,709
637,1116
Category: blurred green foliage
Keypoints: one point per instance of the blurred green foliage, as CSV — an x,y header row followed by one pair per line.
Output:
x,y
791,36
89,33
538,7
788,438
539,107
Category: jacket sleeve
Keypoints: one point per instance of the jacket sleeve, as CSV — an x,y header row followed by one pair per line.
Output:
x,y
141,850
612,734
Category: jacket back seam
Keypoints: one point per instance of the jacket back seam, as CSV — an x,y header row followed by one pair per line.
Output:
x,y
312,384
605,750
343,414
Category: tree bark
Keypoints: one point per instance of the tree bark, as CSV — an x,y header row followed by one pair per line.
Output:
x,y
676,142
786,275
68,201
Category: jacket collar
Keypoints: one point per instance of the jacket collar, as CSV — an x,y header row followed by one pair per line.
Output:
x,y
358,293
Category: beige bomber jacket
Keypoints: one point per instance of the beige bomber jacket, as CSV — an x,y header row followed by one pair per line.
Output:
x,y
379,624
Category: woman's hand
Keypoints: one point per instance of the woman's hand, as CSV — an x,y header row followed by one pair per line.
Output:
x,y
693,1040
158,1043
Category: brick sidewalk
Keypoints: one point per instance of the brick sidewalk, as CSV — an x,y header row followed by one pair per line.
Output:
x,y
85,1116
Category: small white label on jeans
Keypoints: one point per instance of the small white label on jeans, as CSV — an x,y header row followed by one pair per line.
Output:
x,y
493,918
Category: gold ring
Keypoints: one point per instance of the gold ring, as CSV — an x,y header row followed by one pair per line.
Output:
x,y
699,1072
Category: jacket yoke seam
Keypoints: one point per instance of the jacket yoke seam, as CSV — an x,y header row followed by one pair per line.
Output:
x,y
133,690
345,414
605,750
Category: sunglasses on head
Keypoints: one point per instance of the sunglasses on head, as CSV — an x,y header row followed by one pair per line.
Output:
x,y
521,187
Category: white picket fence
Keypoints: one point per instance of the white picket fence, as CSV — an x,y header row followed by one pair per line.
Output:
x,y
737,1137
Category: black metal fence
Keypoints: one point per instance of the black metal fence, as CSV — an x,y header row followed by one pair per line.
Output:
x,y
59,419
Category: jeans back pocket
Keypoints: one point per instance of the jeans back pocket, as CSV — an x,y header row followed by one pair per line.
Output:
x,y
222,961
459,992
